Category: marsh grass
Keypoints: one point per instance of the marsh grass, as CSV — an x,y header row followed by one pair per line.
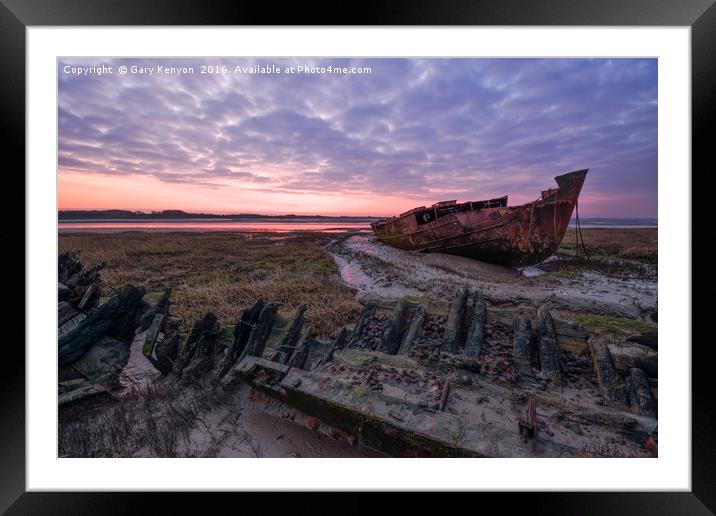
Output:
x,y
639,244
223,272
158,418
614,326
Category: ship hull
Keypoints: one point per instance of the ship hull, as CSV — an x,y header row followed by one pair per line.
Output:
x,y
513,236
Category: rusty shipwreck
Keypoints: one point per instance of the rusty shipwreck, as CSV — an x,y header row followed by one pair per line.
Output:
x,y
488,230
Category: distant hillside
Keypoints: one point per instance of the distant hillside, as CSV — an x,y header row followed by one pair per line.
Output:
x,y
178,214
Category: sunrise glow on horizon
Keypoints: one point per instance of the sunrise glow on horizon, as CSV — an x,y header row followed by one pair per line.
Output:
x,y
411,132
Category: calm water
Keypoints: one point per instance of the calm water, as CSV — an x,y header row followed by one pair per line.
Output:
x,y
275,225
203,225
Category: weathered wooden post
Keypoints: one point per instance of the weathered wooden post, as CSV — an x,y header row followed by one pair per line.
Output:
x,y
610,384
453,327
90,299
476,334
338,343
261,331
549,353
242,332
390,342
365,316
641,396
522,347
300,356
444,395
186,349
202,360
528,427
152,334
288,343
414,332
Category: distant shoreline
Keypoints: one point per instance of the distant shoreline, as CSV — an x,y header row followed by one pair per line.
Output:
x,y
177,215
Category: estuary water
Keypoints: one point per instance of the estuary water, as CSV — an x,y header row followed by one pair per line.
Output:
x,y
277,225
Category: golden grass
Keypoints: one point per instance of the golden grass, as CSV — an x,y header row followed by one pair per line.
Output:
x,y
629,243
223,273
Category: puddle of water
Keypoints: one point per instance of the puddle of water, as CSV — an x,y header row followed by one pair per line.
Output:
x,y
531,271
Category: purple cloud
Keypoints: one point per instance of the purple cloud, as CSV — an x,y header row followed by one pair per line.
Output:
x,y
428,129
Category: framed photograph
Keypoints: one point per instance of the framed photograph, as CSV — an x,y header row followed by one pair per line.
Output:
x,y
359,257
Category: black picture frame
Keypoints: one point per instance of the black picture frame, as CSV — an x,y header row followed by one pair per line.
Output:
x,y
17,15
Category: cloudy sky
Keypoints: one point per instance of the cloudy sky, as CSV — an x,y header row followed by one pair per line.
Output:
x,y
410,132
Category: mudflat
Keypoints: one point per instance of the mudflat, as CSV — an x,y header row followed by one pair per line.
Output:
x,y
612,293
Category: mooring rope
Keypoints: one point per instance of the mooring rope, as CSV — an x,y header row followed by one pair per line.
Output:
x,y
580,236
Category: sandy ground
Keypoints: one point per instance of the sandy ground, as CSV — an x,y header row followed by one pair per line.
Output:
x,y
138,371
375,269
251,428
242,427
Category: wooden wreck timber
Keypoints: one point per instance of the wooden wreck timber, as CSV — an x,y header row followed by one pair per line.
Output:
x,y
513,383
488,230
409,378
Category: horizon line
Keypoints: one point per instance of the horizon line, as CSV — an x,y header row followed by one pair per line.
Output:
x,y
233,214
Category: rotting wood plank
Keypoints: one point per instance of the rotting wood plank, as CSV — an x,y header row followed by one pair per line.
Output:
x,y
261,331
611,385
338,343
365,316
299,357
522,347
65,312
453,328
242,333
413,334
390,342
476,334
444,395
549,353
90,299
288,343
70,325
188,347
642,398
152,333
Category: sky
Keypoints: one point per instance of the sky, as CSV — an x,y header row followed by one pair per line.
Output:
x,y
396,134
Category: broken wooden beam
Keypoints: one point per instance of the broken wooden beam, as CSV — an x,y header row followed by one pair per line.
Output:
x,y
187,348
390,342
453,328
261,331
522,346
242,332
338,343
70,325
65,312
90,299
528,427
202,360
476,334
300,356
365,316
152,334
288,343
115,318
610,383
444,395
641,397
166,353
549,353
413,333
